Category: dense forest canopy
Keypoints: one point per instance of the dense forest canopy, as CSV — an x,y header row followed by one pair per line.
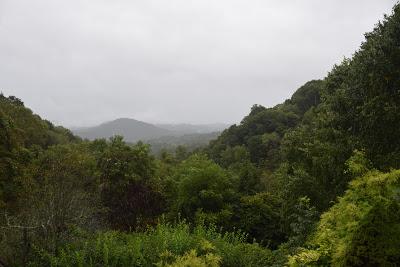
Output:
x,y
309,182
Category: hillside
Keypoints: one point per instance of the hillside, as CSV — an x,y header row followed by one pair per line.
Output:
x,y
261,131
191,141
28,129
185,128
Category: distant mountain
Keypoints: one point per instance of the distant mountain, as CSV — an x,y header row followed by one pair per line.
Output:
x,y
132,130
185,128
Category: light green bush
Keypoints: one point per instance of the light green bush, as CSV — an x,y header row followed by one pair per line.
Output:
x,y
362,229
164,244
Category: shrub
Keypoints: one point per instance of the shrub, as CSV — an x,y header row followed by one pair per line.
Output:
x,y
164,245
362,229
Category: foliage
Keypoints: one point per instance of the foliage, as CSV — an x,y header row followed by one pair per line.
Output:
x,y
20,129
362,229
201,188
30,129
166,245
126,180
262,130
356,113
314,162
57,194
259,216
364,95
191,259
303,222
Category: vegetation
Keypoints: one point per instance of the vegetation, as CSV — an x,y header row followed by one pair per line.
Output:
x,y
362,229
164,245
309,182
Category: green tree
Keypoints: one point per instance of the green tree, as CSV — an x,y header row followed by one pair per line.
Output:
x,y
259,216
314,156
201,187
128,189
363,94
303,222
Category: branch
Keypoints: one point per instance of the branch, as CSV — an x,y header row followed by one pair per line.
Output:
x,y
9,225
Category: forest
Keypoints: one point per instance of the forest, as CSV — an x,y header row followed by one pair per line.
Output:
x,y
313,181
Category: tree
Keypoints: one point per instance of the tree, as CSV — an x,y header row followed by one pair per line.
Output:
x,y
303,222
7,161
314,156
128,192
200,187
363,94
259,216
58,193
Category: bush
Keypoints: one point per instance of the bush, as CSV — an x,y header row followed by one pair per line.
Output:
x,y
362,229
164,245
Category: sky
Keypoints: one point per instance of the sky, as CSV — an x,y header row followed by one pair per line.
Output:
x,y
83,62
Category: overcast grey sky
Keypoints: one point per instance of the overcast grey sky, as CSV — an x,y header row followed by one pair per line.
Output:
x,y
81,62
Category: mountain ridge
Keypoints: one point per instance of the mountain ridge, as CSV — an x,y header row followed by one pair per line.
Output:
x,y
135,130
132,130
